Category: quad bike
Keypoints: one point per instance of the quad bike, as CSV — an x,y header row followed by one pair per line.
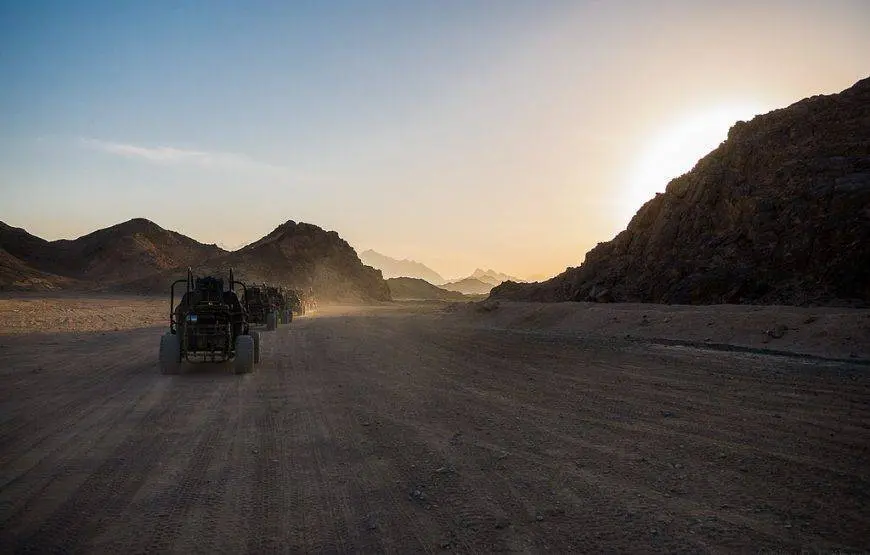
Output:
x,y
208,325
260,308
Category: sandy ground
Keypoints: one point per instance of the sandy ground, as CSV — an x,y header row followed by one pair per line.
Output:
x,y
29,313
431,428
839,333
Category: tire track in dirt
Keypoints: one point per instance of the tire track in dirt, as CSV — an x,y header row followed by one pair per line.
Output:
x,y
509,406
167,504
388,430
100,382
382,487
65,460
105,493
448,491
270,464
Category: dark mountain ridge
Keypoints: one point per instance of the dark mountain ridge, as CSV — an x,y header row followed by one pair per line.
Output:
x,y
122,251
779,213
140,256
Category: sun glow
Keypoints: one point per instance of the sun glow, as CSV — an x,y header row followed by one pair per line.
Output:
x,y
675,151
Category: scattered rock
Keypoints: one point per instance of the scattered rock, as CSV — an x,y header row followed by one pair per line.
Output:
x,y
418,495
371,524
778,332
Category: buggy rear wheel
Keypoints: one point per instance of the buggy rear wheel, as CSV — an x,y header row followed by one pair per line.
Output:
x,y
170,354
243,363
255,335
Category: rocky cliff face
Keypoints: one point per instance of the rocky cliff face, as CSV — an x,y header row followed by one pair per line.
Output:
x,y
778,214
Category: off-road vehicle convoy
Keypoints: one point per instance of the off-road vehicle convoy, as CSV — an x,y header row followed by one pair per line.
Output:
x,y
278,300
294,302
261,308
210,324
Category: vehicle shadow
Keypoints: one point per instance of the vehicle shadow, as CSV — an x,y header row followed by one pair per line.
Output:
x,y
194,369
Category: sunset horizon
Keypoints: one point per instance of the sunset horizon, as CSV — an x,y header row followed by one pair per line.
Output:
x,y
460,135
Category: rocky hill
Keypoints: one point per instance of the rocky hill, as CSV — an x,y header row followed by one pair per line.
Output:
x,y
779,213
140,256
392,267
16,275
121,252
304,256
414,289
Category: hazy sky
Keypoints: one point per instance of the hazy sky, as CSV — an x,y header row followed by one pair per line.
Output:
x,y
494,133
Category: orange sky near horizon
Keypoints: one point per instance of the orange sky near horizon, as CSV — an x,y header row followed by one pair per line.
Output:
x,y
512,136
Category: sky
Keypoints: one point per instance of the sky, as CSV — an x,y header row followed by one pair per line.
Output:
x,y
505,134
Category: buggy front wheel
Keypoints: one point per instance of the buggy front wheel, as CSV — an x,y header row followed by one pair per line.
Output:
x,y
243,363
170,354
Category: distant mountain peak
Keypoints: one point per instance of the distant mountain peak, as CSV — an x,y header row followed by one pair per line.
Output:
x,y
492,277
393,267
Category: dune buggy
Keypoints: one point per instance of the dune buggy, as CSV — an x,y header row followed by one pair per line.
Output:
x,y
209,324
260,308
278,300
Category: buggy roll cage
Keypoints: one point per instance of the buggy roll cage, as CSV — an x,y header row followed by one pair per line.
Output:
x,y
173,323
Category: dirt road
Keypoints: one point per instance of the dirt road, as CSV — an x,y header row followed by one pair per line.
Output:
x,y
410,430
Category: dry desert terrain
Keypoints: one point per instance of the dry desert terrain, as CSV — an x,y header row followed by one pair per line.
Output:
x,y
436,427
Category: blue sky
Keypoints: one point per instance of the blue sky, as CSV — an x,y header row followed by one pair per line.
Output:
x,y
507,134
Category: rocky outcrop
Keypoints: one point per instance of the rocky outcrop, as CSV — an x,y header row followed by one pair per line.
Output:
x,y
304,256
778,214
